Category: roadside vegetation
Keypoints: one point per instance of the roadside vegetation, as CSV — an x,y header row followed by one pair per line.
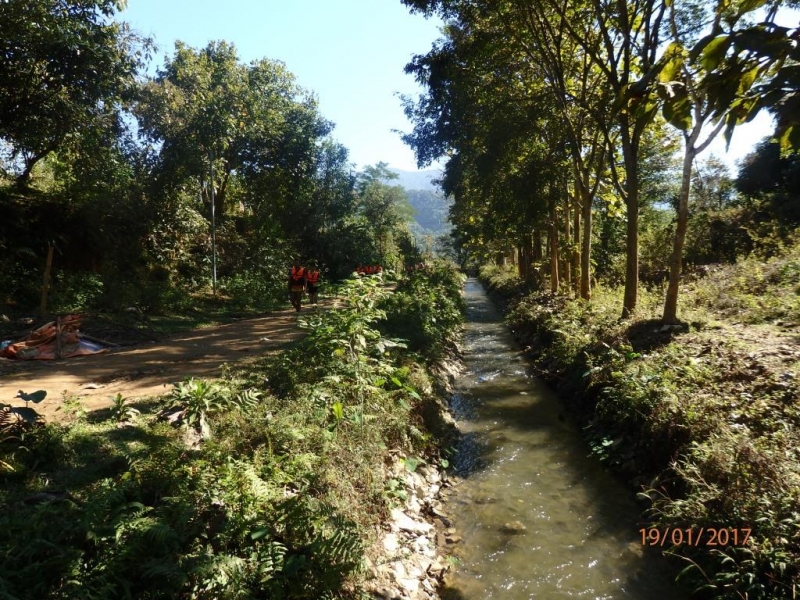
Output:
x,y
268,483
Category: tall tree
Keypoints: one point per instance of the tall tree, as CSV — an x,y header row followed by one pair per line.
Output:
x,y
383,206
693,90
583,114
63,65
630,39
252,119
621,41
487,111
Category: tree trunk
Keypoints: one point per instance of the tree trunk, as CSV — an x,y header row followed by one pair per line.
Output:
x,y
24,179
554,251
676,262
576,244
567,262
631,156
586,253
527,250
537,245
46,280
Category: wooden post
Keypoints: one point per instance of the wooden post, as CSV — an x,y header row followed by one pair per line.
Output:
x,y
58,337
46,280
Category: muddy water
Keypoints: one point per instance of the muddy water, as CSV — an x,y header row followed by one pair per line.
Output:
x,y
538,518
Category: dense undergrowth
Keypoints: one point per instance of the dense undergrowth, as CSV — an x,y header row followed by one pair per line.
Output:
x,y
268,483
704,418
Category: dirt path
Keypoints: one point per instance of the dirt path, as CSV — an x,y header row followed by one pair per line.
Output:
x,y
147,369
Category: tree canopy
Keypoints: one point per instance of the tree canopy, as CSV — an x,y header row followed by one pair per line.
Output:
x,y
64,66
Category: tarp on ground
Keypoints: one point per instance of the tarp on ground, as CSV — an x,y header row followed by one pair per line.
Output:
x,y
57,339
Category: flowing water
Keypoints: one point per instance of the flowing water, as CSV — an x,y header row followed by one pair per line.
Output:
x,y
538,517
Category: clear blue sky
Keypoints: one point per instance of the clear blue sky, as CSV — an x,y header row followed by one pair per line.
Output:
x,y
350,53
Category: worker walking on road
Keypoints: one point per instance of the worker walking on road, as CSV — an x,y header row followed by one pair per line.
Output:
x,y
297,285
312,283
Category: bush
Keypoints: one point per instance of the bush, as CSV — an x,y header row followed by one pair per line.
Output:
x,y
74,292
427,309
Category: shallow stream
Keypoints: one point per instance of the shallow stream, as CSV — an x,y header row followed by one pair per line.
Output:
x,y
538,517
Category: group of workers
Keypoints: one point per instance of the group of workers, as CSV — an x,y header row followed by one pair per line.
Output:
x,y
416,267
369,269
307,280
301,280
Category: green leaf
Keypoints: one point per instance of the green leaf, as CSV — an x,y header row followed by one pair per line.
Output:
x,y
338,411
257,535
790,138
678,111
714,52
746,6
413,393
673,63
411,464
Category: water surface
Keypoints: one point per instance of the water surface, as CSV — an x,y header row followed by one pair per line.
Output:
x,y
538,517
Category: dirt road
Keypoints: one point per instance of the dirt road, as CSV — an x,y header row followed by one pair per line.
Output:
x,y
147,369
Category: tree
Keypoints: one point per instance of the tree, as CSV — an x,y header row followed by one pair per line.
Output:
x,y
583,112
254,120
63,66
770,185
486,110
384,207
694,95
620,41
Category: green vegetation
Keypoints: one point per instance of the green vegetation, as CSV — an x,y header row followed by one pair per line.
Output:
x,y
564,122
268,483
703,418
169,192
571,133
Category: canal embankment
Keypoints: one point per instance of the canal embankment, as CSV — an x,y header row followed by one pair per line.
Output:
x,y
532,514
701,419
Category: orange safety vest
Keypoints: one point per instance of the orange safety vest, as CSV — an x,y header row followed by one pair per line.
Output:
x,y
312,277
297,274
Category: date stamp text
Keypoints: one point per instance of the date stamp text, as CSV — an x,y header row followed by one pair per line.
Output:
x,y
690,536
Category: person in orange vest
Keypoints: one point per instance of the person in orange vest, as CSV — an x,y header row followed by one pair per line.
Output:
x,y
312,283
297,285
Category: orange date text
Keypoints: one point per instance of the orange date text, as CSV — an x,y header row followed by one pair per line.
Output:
x,y
691,536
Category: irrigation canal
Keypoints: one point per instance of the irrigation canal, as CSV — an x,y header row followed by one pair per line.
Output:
x,y
538,517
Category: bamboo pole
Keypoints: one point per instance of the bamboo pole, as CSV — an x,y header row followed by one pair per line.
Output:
x,y
46,280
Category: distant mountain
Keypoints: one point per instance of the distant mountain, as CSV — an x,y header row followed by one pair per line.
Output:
x,y
416,180
431,210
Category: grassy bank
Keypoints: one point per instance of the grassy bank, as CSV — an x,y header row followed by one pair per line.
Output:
x,y
268,483
703,418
